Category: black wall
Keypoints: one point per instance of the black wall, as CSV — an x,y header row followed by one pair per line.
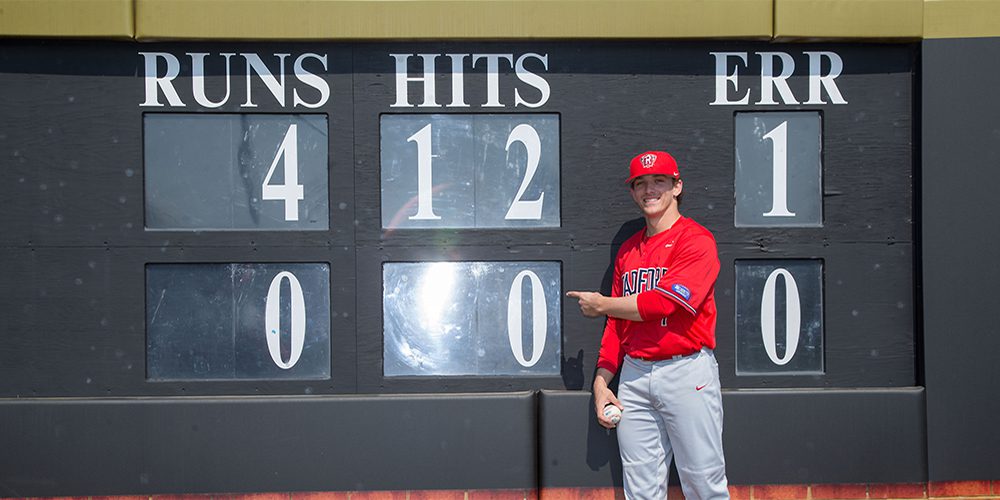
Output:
x,y
961,239
74,248
245,445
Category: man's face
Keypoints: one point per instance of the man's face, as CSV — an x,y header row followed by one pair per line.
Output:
x,y
655,193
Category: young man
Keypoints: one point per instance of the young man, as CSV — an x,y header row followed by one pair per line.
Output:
x,y
660,333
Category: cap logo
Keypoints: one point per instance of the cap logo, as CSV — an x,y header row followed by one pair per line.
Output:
x,y
648,160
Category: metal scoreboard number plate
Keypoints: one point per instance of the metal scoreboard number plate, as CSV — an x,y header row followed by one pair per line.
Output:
x,y
471,318
779,303
470,171
779,317
236,172
779,169
237,321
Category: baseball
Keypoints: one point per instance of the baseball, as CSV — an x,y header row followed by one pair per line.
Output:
x,y
612,413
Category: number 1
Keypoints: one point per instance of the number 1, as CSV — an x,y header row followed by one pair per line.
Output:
x,y
425,207
779,191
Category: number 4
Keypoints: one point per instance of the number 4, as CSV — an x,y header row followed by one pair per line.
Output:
x,y
291,191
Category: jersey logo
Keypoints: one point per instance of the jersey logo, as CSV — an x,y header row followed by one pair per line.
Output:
x,y
700,387
682,290
642,279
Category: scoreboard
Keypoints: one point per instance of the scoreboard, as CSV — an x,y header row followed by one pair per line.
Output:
x,y
365,218
215,223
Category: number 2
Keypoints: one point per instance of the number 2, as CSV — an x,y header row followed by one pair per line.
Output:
x,y
519,209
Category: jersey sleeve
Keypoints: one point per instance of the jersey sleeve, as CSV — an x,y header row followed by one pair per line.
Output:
x,y
611,354
653,305
692,274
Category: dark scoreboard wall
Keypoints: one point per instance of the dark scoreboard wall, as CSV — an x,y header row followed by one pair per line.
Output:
x,y
961,149
87,247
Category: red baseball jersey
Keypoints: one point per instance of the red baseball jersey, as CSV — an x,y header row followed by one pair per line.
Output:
x,y
680,265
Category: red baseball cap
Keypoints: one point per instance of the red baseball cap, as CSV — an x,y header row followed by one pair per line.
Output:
x,y
653,162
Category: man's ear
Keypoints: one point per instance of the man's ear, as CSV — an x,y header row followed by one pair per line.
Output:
x,y
678,187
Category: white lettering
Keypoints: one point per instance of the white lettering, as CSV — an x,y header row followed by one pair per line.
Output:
x,y
827,82
458,81
460,68
198,79
164,83
723,78
156,82
492,76
402,80
311,80
768,82
532,79
277,88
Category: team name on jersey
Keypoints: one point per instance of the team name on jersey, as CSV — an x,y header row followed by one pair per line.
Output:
x,y
641,279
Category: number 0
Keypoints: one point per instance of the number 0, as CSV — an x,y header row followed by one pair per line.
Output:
x,y
272,320
539,318
768,313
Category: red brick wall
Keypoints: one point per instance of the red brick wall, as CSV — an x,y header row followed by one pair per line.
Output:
x,y
976,490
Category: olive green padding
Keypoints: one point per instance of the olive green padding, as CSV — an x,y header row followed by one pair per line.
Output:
x,y
67,18
961,18
825,19
451,19
499,19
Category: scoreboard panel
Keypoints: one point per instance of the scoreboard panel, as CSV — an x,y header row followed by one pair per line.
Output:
x,y
374,162
471,318
777,324
212,321
221,172
766,144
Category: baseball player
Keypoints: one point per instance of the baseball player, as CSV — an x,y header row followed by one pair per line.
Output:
x,y
660,334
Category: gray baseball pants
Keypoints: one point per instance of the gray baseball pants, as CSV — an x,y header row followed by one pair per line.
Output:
x,y
673,409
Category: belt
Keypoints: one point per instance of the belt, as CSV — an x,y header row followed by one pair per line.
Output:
x,y
651,359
